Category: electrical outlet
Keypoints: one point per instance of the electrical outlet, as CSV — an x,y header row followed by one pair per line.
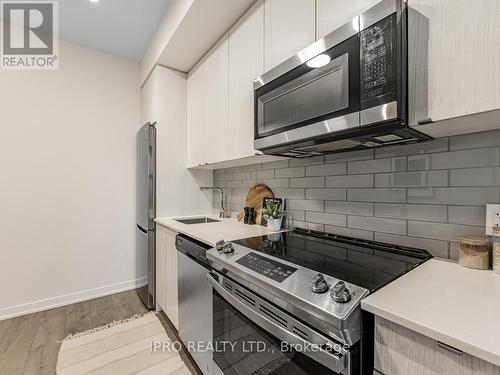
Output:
x,y
492,218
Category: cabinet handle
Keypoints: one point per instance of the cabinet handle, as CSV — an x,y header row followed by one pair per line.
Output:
x,y
448,348
425,121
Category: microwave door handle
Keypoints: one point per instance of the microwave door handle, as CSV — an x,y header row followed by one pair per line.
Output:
x,y
338,363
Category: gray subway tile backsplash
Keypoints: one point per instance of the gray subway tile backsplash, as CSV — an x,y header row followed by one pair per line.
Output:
x,y
290,193
476,140
467,215
412,179
309,205
436,145
276,164
362,180
441,231
307,182
307,161
370,166
438,214
326,169
277,182
326,194
489,176
420,195
265,174
349,156
350,208
290,172
326,218
244,175
487,157
454,196
377,224
377,195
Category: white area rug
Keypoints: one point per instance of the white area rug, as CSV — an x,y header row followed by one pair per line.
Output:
x,y
120,348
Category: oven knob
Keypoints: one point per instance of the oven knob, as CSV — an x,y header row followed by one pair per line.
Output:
x,y
219,245
340,293
228,248
319,284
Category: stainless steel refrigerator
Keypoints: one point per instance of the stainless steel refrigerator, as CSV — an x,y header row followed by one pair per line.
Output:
x,y
146,204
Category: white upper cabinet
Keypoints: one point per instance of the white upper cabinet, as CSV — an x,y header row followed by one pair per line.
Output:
x,y
289,27
454,58
207,91
331,14
246,62
216,102
196,150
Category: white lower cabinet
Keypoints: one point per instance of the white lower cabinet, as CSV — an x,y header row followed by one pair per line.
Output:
x,y
400,351
166,273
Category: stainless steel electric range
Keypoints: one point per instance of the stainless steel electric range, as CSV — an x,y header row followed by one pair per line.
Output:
x,y
289,303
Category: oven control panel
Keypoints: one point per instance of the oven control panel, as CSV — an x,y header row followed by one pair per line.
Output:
x,y
267,267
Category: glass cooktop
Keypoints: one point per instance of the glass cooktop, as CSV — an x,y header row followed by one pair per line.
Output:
x,y
368,264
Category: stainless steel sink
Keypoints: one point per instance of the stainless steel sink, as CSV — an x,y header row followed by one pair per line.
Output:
x,y
197,220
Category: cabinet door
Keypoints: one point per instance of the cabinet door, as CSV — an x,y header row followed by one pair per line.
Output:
x,y
289,27
215,97
195,117
208,107
331,14
246,62
161,267
171,279
453,57
399,350
166,273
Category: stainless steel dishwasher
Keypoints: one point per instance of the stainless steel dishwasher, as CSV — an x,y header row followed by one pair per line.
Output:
x,y
195,302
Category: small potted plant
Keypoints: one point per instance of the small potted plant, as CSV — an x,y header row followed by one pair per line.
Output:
x,y
274,214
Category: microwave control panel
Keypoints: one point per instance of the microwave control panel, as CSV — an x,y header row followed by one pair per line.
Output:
x,y
377,55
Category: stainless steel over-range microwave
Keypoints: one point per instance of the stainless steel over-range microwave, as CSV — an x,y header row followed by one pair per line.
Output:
x,y
346,91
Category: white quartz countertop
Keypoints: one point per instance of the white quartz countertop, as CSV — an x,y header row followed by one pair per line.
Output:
x,y
449,303
209,233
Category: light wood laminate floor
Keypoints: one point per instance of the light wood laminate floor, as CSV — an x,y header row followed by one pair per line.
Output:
x,y
30,344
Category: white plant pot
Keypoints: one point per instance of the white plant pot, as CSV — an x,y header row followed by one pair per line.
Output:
x,y
274,224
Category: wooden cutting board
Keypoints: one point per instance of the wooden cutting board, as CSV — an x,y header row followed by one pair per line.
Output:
x,y
255,198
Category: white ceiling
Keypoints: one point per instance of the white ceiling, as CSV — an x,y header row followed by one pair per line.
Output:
x,y
122,28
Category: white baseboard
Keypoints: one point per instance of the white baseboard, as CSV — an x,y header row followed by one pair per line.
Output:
x,y
68,299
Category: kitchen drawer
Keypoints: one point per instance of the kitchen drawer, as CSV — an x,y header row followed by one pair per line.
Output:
x,y
399,351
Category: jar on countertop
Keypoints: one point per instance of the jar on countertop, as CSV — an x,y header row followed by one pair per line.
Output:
x,y
474,252
496,249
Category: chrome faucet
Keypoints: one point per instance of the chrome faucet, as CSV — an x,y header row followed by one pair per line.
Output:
x,y
224,213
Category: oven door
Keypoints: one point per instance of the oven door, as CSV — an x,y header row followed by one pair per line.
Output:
x,y
252,336
318,96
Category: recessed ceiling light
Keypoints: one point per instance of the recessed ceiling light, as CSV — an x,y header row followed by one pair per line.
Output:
x,y
318,61
94,1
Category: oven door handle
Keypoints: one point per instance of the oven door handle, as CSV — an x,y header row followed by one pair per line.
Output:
x,y
337,362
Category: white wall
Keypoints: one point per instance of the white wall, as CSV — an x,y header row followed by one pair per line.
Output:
x,y
67,180
164,101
